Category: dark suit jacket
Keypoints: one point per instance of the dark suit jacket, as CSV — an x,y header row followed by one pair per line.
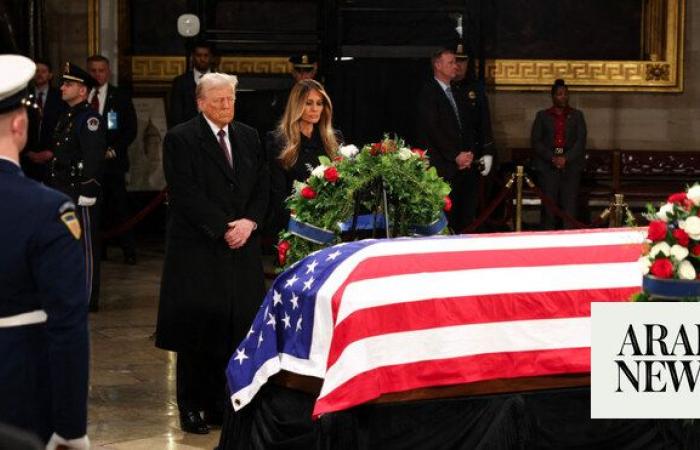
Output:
x,y
543,140
438,130
210,293
183,103
41,127
121,137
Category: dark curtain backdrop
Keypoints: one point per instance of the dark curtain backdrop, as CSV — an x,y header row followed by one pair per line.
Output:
x,y
376,96
22,27
279,418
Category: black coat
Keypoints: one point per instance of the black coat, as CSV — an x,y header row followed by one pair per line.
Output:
x,y
282,180
543,140
183,102
210,293
41,126
121,132
44,369
438,130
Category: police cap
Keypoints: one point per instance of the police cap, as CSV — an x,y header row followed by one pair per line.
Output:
x,y
303,62
71,72
460,54
16,72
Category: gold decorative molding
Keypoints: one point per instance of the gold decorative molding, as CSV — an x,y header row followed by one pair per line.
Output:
x,y
661,71
93,27
149,69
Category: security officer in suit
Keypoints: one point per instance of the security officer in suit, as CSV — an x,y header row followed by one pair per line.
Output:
x,y
117,110
43,298
182,102
79,151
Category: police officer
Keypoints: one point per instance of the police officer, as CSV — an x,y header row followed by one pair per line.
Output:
x,y
79,151
43,298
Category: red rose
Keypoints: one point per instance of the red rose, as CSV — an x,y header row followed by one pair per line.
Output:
x,y
448,204
308,193
681,237
419,152
695,251
376,148
678,198
282,249
662,268
331,174
657,231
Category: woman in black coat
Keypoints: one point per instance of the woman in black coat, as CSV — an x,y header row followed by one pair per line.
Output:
x,y
559,142
305,132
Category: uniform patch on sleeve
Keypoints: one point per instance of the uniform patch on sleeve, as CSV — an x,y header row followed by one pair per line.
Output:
x,y
93,123
67,206
71,222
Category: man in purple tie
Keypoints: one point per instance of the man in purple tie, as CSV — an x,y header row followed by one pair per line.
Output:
x,y
212,280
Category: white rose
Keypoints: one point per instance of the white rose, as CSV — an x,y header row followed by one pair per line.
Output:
x,y
348,151
694,194
686,271
645,264
660,247
318,171
664,211
405,153
679,252
691,225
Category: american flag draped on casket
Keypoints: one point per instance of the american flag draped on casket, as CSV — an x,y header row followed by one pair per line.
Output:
x,y
380,316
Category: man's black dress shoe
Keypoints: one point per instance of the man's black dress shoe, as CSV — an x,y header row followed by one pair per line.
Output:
x,y
213,417
191,422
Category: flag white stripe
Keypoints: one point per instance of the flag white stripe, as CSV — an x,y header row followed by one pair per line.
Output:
x,y
323,318
487,281
456,341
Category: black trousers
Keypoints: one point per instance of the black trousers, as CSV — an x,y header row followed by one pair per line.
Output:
x,y
464,196
115,209
90,239
562,186
201,382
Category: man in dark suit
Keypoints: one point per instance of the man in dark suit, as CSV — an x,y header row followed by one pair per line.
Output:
x,y
42,121
441,129
117,110
183,104
559,141
43,312
212,280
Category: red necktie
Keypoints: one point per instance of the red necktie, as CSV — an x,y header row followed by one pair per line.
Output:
x,y
224,147
95,102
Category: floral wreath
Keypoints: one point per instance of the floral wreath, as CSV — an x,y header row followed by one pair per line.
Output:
x,y
323,207
671,253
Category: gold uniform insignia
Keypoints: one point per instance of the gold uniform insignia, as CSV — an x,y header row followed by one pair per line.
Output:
x,y
71,222
471,95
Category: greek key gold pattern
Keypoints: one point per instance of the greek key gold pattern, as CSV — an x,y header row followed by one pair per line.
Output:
x,y
518,72
165,68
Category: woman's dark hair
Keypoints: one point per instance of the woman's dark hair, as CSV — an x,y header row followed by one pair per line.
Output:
x,y
558,83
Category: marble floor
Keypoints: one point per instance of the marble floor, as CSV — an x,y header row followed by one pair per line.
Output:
x,y
132,383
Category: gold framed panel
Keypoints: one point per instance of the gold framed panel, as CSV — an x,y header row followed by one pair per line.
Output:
x,y
660,70
93,27
159,69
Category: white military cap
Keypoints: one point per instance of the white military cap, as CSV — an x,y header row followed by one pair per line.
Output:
x,y
16,71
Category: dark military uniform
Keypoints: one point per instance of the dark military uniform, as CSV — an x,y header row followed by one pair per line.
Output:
x,y
79,151
43,309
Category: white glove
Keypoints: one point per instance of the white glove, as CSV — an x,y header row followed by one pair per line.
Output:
x,y
81,443
86,201
487,161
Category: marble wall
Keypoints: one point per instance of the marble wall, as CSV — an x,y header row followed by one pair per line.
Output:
x,y
644,121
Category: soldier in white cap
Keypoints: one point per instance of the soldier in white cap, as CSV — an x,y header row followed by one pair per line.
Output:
x,y
43,297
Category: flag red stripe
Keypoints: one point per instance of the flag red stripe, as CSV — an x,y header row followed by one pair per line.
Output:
x,y
390,265
443,312
402,377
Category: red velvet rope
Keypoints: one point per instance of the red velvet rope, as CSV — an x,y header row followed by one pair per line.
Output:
x,y
138,217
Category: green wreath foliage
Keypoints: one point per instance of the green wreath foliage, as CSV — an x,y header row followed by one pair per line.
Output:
x,y
327,198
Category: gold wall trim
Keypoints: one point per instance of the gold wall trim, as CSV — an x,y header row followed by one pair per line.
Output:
x,y
93,27
149,69
662,71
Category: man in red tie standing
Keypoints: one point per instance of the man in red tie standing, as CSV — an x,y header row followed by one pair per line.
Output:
x,y
212,280
42,121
